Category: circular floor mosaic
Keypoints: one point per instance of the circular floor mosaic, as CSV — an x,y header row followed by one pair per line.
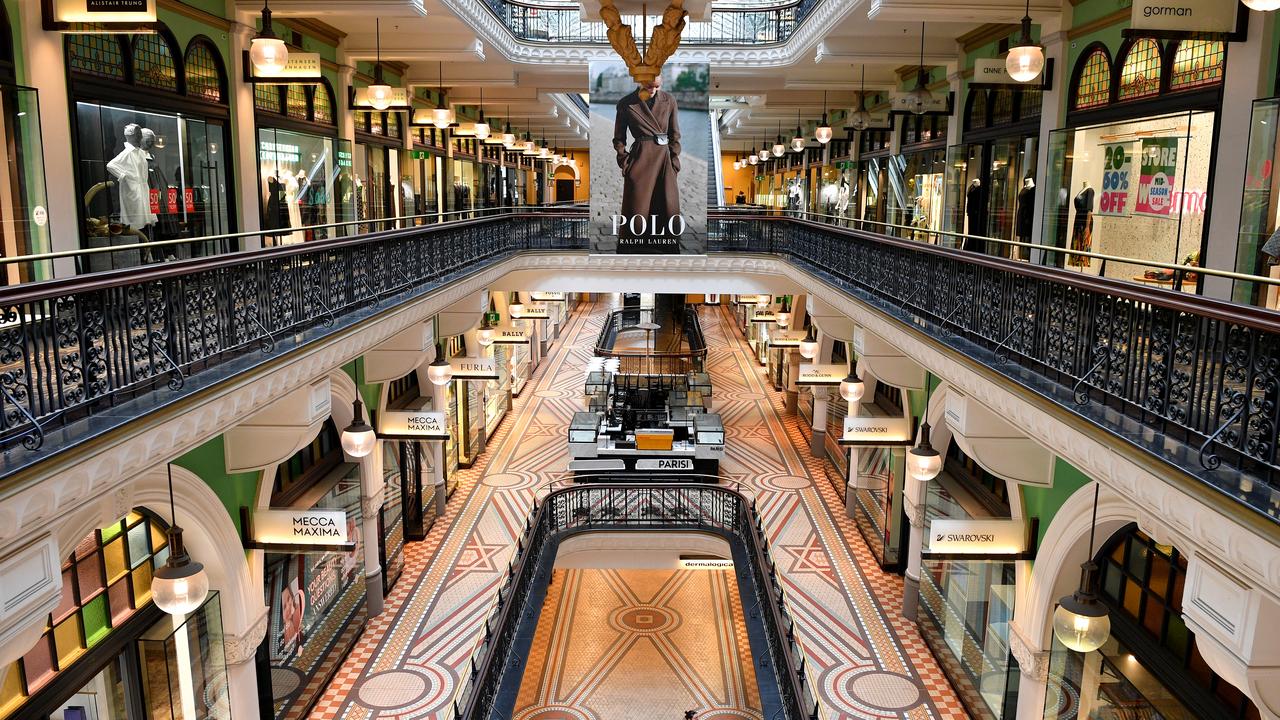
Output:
x,y
550,393
884,690
784,483
644,619
505,480
392,689
556,712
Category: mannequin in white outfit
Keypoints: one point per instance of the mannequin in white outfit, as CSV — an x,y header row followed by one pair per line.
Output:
x,y
129,168
295,210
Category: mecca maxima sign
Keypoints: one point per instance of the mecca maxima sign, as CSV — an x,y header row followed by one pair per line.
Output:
x,y
319,530
412,425
977,537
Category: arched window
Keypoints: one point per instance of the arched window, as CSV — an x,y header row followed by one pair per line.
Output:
x,y
296,102
266,98
1197,63
393,124
206,78
977,109
323,104
1093,80
1002,108
153,63
1029,102
1140,70
94,54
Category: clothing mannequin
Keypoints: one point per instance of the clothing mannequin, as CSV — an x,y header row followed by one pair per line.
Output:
x,y
1082,227
292,209
1026,210
158,182
842,197
973,204
130,171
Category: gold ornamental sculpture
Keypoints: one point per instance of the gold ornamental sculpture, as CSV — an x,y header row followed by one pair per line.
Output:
x,y
645,64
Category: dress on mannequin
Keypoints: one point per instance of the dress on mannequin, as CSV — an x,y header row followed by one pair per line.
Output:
x,y
294,209
1026,209
842,197
973,202
130,170
1082,228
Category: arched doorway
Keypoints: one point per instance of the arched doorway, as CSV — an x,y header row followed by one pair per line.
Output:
x,y
566,184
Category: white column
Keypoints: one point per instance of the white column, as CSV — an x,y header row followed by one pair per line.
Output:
x,y
372,496
46,70
955,123
914,500
437,453
244,137
242,669
1248,77
1052,115
818,440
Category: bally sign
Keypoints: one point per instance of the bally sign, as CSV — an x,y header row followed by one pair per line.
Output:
x,y
412,425
786,338
876,431
469,368
534,312
510,335
318,529
1191,16
664,464
977,537
812,374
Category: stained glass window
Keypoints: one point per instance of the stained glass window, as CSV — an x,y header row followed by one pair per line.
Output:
x,y
323,105
105,580
266,98
978,110
296,101
1002,108
153,64
393,125
204,72
1029,102
96,54
1093,89
1197,63
1140,73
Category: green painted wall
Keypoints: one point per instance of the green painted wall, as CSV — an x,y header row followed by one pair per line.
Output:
x,y
1043,502
233,489
370,394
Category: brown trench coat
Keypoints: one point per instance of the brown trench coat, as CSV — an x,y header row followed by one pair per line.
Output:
x,y
648,169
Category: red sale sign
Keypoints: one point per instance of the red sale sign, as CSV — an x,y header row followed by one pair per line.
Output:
x,y
1117,168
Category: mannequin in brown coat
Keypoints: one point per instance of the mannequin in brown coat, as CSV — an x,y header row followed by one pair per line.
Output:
x,y
650,166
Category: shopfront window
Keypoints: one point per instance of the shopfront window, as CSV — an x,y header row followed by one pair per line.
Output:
x,y
26,227
466,185
916,197
877,499
1135,189
185,667
306,180
1258,248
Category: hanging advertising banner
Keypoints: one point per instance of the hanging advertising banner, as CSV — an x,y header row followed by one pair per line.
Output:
x,y
901,103
877,431
649,160
547,296
1159,173
300,68
825,375
534,311
1117,167
787,338
1188,16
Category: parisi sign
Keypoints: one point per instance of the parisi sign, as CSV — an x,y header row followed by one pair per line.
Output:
x,y
300,527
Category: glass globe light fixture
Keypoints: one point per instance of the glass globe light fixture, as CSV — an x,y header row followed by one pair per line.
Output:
x,y
809,345
358,438
484,336
515,308
181,585
923,462
919,98
481,127
439,372
752,159
379,91
823,132
861,119
1081,621
764,154
797,142
1025,59
1262,5
267,53
779,148
441,116
784,315
851,387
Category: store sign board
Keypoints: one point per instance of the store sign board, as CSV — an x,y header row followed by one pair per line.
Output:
x,y
902,102
412,425
511,335
299,68
786,338
1159,174
104,11
823,375
977,537
878,431
320,528
673,464
1117,169
360,98
547,296
474,368
534,311
1190,16
687,563
992,71
764,316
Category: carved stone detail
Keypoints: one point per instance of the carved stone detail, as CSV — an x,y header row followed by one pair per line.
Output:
x,y
242,648
1033,664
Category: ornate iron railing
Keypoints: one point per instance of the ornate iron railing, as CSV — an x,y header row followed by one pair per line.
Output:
x,y
495,675
635,360
562,23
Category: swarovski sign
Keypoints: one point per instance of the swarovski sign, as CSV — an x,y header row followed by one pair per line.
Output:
x,y
977,537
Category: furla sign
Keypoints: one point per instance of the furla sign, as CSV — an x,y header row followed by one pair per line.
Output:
x,y
474,368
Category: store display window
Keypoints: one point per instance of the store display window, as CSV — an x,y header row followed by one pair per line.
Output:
x,y
1258,248
1137,189
22,183
465,187
306,180
916,194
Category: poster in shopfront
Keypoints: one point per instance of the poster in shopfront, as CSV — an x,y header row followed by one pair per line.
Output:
x,y
1159,163
1117,171
649,160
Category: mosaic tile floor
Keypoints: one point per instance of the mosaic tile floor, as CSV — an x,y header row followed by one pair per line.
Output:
x,y
866,661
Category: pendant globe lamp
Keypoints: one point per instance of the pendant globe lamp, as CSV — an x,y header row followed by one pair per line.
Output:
x,y
823,132
809,345
1081,621
764,149
784,315
752,159
482,127
861,119
379,91
1026,58
358,438
485,334
919,98
440,372
923,462
1262,5
778,147
441,116
181,585
515,308
508,137
851,387
267,53
798,141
